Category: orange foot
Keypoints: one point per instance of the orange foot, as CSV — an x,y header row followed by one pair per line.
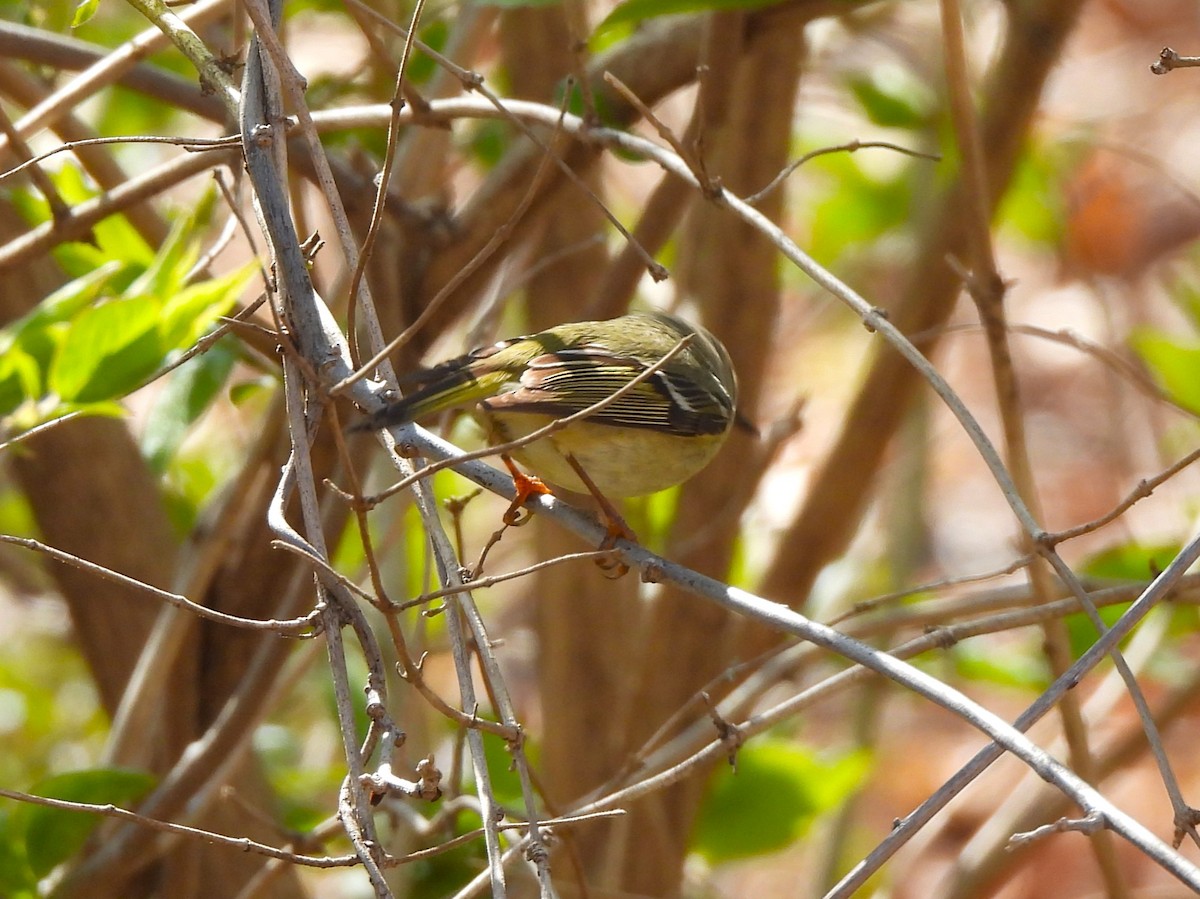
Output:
x,y
526,486
614,524
613,567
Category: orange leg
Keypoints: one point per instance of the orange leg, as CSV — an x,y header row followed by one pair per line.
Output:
x,y
614,523
526,486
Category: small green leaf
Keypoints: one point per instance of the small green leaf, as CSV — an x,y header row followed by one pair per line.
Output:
x,y
115,238
164,276
30,415
506,783
120,240
245,391
17,880
1184,289
37,337
891,102
69,299
101,408
108,351
28,345
188,392
634,12
977,662
1174,363
859,208
1082,633
84,12
773,797
189,312
53,835
1033,205
190,479
20,377
488,142
421,68
1130,561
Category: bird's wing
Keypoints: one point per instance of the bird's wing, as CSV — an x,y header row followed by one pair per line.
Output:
x,y
570,380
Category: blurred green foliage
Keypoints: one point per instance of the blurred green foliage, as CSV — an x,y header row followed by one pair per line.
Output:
x,y
771,797
626,16
51,722
1174,361
52,835
1021,666
127,311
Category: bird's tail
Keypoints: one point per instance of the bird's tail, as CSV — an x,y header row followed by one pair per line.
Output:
x,y
448,387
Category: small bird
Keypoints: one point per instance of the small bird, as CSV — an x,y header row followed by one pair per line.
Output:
x,y
658,434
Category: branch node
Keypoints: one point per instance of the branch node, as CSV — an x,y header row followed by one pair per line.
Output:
x,y
1169,60
1091,823
729,734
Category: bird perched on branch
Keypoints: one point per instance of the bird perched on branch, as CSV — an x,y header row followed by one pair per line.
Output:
x,y
667,389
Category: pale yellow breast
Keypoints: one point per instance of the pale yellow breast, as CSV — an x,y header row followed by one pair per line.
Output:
x,y
621,461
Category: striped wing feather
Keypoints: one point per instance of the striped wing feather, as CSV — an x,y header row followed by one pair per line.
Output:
x,y
569,381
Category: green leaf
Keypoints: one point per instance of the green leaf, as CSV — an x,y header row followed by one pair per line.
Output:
x,y
53,835
978,662
421,68
858,209
772,799
72,186
1033,204
116,239
1130,561
84,11
1082,633
634,12
109,350
488,142
891,100
17,879
20,377
245,391
1184,288
104,408
189,312
188,392
69,299
506,783
165,275
28,345
1174,363
189,482
102,335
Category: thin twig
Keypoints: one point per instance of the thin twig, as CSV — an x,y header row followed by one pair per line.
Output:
x,y
848,147
242,844
383,180
293,626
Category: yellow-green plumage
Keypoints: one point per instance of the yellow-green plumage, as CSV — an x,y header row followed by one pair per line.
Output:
x,y
662,432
